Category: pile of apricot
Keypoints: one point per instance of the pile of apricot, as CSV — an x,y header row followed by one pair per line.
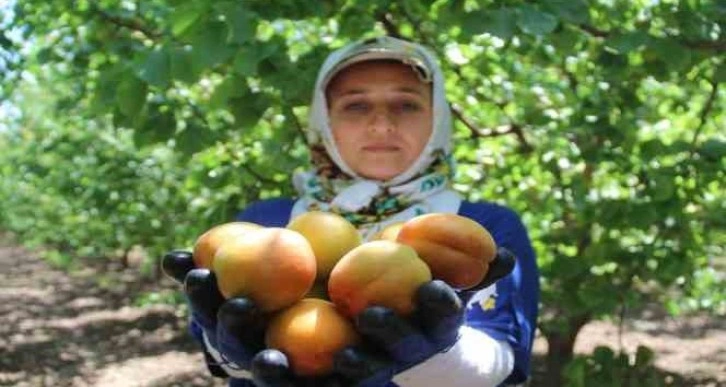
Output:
x,y
314,275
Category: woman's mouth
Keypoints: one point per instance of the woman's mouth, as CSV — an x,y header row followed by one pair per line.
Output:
x,y
380,148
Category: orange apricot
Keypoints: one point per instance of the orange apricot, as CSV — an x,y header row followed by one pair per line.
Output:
x,y
329,234
310,333
207,244
457,249
389,232
275,267
381,273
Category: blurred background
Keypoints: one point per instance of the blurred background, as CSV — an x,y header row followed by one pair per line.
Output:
x,y
129,127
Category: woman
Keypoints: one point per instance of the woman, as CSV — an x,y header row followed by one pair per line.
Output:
x,y
380,141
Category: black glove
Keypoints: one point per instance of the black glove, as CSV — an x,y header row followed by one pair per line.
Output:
x,y
500,267
232,330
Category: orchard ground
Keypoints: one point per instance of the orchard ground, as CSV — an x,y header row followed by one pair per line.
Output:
x,y
87,327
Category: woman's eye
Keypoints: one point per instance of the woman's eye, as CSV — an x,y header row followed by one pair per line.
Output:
x,y
356,107
409,106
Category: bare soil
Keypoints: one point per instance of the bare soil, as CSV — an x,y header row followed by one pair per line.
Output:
x,y
81,328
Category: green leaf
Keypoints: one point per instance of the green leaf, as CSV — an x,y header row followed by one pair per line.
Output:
x,y
193,139
241,21
155,68
664,187
644,357
210,45
105,89
501,23
159,125
575,373
628,41
719,75
672,53
231,87
574,11
131,95
185,15
713,149
183,66
652,149
642,215
246,61
535,22
565,39
246,110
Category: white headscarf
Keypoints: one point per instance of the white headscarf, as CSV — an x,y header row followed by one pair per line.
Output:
x,y
424,187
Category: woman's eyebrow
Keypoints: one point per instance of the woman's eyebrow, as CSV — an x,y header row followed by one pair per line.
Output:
x,y
411,90
402,89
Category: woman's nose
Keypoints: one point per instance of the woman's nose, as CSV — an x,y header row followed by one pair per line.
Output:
x,y
382,122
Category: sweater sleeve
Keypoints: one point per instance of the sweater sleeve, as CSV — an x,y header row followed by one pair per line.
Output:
x,y
268,213
476,360
507,311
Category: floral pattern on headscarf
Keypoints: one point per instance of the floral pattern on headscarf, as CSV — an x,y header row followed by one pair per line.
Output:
x,y
328,180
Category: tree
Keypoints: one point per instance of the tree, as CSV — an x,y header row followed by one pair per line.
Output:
x,y
602,123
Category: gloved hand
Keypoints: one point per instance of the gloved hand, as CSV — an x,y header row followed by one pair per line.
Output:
x,y
232,330
392,343
501,266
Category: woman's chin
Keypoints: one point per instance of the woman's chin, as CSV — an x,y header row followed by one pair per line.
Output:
x,y
379,174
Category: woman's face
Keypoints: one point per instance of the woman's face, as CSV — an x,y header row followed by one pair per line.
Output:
x,y
380,116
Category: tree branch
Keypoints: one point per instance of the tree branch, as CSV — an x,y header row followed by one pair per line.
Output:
x,y
132,24
501,130
717,45
704,113
571,78
391,29
296,123
256,175
593,30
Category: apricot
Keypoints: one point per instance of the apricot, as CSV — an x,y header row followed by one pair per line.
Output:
x,y
275,267
457,249
384,273
207,244
389,232
329,234
310,333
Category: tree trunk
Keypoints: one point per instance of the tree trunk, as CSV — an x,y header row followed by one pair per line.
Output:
x,y
561,350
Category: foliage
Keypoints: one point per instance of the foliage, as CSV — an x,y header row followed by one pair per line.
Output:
x,y
607,368
601,122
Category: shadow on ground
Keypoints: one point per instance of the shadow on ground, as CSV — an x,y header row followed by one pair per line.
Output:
x,y
80,329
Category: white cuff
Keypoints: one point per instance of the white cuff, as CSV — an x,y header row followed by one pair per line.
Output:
x,y
475,360
232,369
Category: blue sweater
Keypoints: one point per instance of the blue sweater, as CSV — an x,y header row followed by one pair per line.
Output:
x,y
509,315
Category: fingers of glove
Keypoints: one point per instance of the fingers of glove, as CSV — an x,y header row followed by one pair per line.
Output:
x,y
439,312
322,381
393,334
362,367
177,263
500,267
240,329
270,368
200,286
